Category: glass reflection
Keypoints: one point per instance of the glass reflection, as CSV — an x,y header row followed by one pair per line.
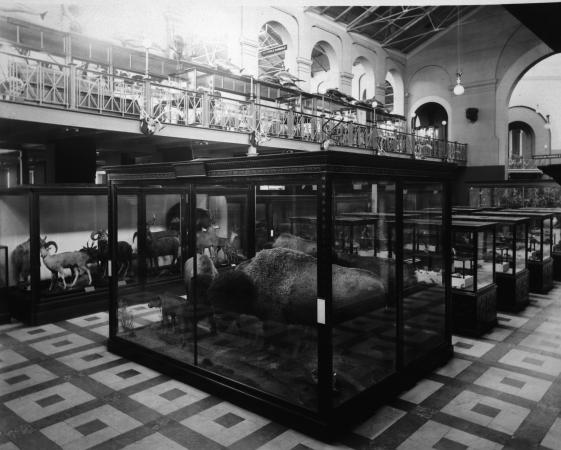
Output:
x,y
423,269
363,286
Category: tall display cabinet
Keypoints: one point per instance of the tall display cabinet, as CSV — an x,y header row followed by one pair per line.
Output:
x,y
292,304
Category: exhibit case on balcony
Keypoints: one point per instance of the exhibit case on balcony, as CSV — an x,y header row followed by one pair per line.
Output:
x,y
539,245
55,268
293,303
474,292
511,274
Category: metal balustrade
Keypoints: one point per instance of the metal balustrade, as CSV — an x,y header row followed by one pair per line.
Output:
x,y
41,82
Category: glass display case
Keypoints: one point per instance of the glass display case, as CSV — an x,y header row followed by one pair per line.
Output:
x,y
474,292
298,299
539,244
511,274
555,238
55,264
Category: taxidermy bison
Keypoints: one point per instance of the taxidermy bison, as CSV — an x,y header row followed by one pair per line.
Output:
x,y
280,285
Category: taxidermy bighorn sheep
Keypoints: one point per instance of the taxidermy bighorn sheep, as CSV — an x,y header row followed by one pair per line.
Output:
x,y
75,261
21,260
124,252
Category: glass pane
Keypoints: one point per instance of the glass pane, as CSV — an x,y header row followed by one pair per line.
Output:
x,y
546,238
424,292
14,234
521,251
283,276
162,236
81,264
535,240
127,271
485,258
463,251
556,233
504,258
154,315
363,286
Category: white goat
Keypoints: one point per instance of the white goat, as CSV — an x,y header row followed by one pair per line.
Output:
x,y
75,261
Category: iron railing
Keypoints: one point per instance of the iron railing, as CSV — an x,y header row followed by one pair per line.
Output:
x,y
60,85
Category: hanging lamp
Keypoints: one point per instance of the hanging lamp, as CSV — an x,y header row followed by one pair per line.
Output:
x,y
458,89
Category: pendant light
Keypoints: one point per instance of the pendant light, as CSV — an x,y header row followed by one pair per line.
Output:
x,y
458,89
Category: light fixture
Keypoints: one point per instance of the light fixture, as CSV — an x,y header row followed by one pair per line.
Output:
x,y
444,123
458,89
547,124
325,144
374,103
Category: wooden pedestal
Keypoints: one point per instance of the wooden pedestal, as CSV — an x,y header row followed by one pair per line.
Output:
x,y
541,275
513,290
474,313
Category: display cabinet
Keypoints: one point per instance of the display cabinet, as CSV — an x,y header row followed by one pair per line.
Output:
x,y
539,244
511,274
55,268
289,306
555,238
474,292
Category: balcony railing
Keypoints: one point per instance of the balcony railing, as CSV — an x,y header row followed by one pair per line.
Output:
x,y
60,85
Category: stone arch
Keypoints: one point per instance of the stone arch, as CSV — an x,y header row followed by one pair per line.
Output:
x,y
325,67
393,76
434,99
273,31
504,91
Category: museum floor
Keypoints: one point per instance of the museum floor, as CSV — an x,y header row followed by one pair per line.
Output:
x,y
59,387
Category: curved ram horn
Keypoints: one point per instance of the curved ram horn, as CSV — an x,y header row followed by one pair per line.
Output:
x,y
94,234
134,236
48,244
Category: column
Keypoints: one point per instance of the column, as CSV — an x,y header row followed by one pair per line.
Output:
x,y
249,60
345,82
304,72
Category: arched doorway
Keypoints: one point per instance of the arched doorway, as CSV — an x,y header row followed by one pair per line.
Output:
x,y
521,144
274,43
430,120
324,69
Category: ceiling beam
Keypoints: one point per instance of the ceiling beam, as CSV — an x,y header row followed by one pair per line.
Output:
x,y
390,17
409,25
343,13
361,17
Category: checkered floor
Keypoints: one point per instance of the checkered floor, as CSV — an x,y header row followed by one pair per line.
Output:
x,y
59,387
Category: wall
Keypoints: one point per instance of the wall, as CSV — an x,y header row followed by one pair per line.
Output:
x,y
492,42
540,88
536,122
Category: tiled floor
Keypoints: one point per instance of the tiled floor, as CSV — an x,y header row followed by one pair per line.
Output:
x,y
60,388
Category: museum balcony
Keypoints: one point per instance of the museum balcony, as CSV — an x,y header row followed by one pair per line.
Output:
x,y
235,110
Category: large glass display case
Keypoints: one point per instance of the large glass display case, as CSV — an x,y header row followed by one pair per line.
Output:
x,y
474,292
511,274
539,244
55,265
295,301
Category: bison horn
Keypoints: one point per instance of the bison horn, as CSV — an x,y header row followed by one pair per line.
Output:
x,y
48,244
